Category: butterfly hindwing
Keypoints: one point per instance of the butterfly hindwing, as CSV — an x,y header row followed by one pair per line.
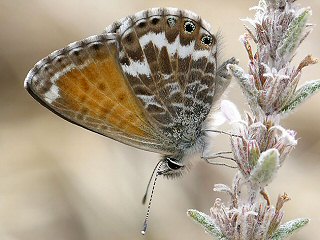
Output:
x,y
169,58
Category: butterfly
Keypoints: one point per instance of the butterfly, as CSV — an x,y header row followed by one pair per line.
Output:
x,y
148,81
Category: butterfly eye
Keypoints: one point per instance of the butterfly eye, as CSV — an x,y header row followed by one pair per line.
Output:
x,y
171,21
189,27
173,164
207,40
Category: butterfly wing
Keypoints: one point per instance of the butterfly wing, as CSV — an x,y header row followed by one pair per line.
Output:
x,y
148,81
170,59
83,83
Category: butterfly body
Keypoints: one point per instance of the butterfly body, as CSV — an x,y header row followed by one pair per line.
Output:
x,y
148,81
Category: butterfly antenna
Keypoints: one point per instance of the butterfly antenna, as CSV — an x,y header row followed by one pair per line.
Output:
x,y
147,189
157,173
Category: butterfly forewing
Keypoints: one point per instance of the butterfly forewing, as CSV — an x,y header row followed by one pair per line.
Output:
x,y
84,84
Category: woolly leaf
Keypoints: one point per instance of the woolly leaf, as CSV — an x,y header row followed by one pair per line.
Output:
x,y
207,223
303,93
293,35
246,83
266,167
287,229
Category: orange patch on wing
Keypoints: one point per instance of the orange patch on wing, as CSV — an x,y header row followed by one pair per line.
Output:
x,y
101,88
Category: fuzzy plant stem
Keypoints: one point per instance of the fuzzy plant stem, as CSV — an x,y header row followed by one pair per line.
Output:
x,y
270,86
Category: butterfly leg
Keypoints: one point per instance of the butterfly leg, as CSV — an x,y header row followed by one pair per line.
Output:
x,y
219,155
222,132
223,68
223,78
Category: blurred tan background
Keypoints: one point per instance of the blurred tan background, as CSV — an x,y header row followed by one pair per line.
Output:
x,y
59,181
